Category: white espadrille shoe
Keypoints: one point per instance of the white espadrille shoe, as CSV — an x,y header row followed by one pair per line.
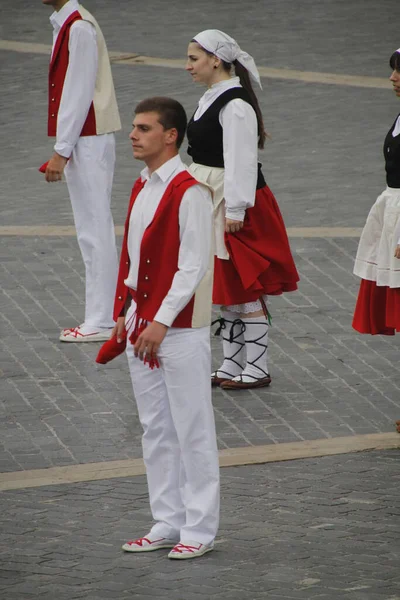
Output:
x,y
189,550
148,544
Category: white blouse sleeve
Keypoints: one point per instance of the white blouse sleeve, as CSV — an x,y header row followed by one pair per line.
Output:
x,y
79,85
239,123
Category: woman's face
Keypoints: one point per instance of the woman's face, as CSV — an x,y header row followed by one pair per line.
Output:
x,y
395,79
201,66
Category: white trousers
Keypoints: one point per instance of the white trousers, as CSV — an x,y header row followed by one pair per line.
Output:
x,y
179,440
89,175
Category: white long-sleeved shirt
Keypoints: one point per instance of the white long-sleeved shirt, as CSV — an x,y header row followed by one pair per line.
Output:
x,y
195,226
80,79
240,141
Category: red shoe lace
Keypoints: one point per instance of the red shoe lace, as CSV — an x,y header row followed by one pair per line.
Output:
x,y
140,541
180,548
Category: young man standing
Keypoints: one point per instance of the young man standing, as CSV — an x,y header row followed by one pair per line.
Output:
x,y
83,116
166,268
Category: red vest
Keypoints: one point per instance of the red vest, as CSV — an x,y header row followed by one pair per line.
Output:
x,y
159,252
57,71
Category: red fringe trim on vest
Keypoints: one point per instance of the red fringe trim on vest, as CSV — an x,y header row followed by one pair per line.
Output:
x,y
140,326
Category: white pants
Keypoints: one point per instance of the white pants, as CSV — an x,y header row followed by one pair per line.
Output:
x,y
89,175
179,439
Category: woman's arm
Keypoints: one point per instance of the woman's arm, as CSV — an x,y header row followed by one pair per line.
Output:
x,y
240,140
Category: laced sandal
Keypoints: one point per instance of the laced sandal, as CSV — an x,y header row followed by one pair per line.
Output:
x,y
238,383
222,374
189,550
76,335
146,544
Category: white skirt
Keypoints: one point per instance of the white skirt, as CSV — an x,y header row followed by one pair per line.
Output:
x,y
375,260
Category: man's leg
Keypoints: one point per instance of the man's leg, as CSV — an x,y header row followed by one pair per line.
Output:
x,y
185,359
161,452
89,174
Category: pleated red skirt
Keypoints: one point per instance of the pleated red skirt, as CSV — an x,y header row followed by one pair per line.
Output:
x,y
377,309
261,261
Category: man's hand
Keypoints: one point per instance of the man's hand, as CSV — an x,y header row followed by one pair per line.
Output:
x,y
397,251
233,226
119,329
55,167
150,340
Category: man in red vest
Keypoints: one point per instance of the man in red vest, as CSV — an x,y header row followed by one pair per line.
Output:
x,y
83,116
166,268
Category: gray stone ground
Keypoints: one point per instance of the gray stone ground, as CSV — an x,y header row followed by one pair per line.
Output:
x,y
323,528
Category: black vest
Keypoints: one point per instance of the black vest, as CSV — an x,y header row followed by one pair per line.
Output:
x,y
205,136
391,152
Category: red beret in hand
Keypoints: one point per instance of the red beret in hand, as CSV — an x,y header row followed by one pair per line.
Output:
x,y
110,349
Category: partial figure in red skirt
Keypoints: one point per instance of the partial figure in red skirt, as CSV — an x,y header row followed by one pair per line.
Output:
x,y
252,252
377,263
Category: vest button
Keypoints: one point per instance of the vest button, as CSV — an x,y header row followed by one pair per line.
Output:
x,y
119,297
127,262
148,261
146,277
53,99
53,84
53,115
144,295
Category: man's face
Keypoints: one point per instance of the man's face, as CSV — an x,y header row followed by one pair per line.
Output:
x,y
149,138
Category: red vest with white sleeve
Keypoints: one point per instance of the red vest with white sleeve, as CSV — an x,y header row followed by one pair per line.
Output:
x,y
158,262
103,116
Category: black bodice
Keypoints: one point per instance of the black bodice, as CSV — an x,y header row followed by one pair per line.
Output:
x,y
391,152
205,136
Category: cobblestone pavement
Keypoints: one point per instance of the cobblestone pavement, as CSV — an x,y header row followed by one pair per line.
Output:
x,y
324,528
58,407
319,529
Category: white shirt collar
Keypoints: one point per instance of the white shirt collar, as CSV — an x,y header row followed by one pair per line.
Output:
x,y
218,88
164,172
57,19
225,83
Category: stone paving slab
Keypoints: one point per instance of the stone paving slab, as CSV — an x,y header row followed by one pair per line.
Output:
x,y
56,406
317,173
302,530
328,35
59,407
313,162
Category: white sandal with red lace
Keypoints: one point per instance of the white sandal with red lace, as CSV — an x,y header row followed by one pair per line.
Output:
x,y
84,334
189,550
147,544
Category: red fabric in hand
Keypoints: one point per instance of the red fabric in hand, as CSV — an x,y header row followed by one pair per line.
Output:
x,y
111,349
43,168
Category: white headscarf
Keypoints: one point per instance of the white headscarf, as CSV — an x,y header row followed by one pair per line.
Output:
x,y
227,49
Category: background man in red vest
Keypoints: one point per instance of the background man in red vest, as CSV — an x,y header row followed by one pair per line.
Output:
x,y
83,116
166,267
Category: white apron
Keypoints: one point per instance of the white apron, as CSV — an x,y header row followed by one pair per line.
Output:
x,y
375,260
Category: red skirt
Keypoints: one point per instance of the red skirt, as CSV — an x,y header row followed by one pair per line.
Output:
x,y
261,261
377,310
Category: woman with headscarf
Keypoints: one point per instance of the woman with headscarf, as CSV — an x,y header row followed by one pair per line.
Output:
x,y
377,262
252,252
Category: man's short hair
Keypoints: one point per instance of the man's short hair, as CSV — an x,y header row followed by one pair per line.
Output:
x,y
171,114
